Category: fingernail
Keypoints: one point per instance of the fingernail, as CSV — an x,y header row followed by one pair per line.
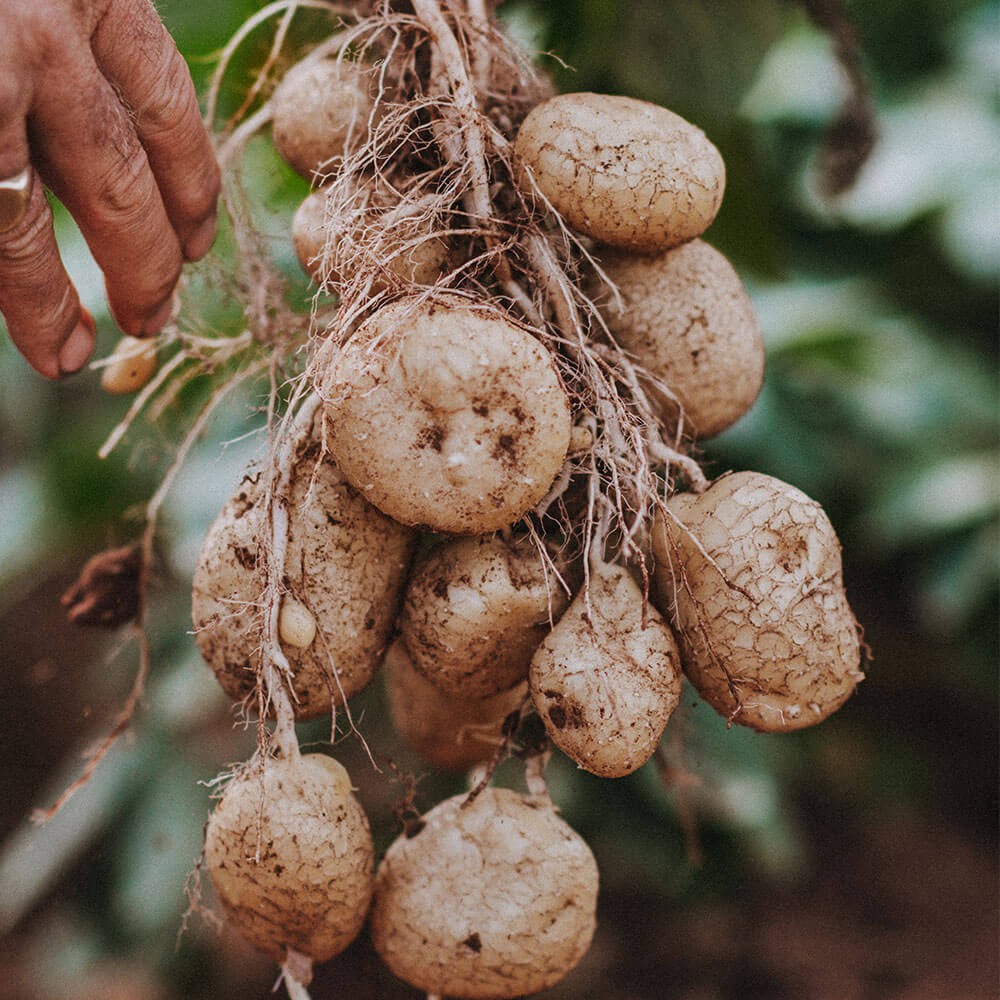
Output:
x,y
159,319
77,348
200,242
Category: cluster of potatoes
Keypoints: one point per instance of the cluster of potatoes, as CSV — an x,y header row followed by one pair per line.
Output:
x,y
444,422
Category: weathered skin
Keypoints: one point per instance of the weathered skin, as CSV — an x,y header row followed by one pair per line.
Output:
x,y
493,900
346,563
607,678
624,172
311,884
475,611
451,732
321,112
446,415
687,318
752,577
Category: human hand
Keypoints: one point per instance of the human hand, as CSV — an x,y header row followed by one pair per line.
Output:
x,y
96,104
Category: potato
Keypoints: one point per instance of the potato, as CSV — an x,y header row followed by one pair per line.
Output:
x,y
447,415
451,732
752,577
475,611
494,898
131,365
346,566
321,112
412,255
607,678
686,317
624,172
290,854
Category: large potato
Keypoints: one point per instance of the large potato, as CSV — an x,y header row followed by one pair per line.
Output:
x,y
321,112
624,172
751,572
447,415
607,678
490,899
345,567
290,855
687,318
475,611
452,732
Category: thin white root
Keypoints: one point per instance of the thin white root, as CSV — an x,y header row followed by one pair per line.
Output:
x,y
297,972
534,776
276,671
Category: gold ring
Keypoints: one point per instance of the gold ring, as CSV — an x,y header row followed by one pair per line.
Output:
x,y
15,193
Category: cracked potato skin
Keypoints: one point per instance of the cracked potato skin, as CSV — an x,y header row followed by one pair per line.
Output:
x,y
447,415
624,172
607,678
687,318
475,611
345,561
488,900
777,647
311,887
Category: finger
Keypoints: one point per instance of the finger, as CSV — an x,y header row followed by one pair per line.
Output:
x,y
87,152
135,51
38,302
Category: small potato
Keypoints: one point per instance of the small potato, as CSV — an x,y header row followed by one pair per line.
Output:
x,y
446,414
290,854
490,899
321,112
132,364
345,566
607,678
687,318
475,611
410,255
750,571
624,172
452,733
309,234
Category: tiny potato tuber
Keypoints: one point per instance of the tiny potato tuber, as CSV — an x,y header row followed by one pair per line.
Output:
x,y
750,571
622,171
290,854
493,898
446,414
130,366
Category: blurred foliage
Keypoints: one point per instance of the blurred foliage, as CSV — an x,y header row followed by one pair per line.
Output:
x,y
879,310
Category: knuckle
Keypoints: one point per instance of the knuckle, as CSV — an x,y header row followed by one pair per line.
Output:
x,y
57,313
121,191
196,202
20,247
170,105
